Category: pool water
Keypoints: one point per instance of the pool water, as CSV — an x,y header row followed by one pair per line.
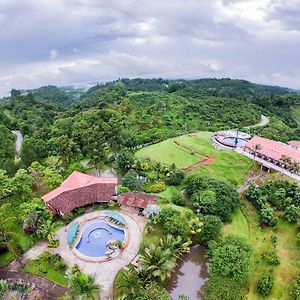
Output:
x,y
95,236
232,141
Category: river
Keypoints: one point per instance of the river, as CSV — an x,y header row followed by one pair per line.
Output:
x,y
19,140
190,274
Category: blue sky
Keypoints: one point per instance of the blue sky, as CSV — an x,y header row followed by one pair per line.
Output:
x,y
79,41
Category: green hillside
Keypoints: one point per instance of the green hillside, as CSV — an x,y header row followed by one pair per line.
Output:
x,y
225,165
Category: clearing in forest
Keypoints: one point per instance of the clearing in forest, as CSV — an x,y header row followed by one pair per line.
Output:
x,y
190,152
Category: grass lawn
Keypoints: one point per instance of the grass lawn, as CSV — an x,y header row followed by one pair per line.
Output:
x,y
168,152
260,239
190,149
238,225
44,269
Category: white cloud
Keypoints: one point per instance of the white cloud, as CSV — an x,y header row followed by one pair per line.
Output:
x,y
96,40
53,54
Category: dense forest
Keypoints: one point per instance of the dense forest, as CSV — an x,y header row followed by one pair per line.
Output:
x,y
128,113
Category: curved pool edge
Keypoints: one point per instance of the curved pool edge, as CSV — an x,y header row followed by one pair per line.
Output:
x,y
86,258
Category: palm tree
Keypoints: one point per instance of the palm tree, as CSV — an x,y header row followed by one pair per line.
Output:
x,y
295,166
8,236
47,230
128,284
83,286
257,147
158,262
287,159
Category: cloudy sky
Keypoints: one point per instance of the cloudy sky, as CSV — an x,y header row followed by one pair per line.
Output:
x,y
79,41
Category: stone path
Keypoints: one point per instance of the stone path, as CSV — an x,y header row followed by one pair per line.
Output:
x,y
49,289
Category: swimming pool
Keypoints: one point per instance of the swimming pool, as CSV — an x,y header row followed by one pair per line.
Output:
x,y
234,142
95,236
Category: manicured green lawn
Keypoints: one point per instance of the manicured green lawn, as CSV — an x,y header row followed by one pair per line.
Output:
x,y
238,225
168,152
226,165
287,248
44,269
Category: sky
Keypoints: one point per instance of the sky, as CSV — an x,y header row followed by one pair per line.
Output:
x,y
65,42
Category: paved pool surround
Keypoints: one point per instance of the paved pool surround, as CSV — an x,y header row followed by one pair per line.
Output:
x,y
104,271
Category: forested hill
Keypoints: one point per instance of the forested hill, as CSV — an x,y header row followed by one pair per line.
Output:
x,y
125,114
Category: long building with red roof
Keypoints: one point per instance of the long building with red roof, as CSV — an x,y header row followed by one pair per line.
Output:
x,y
278,153
79,190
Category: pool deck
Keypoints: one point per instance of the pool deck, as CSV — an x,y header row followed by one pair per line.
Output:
x,y
104,271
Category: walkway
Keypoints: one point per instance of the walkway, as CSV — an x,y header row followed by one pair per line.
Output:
x,y
207,160
49,289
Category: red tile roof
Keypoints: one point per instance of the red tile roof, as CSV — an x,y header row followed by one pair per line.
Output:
x,y
273,149
136,199
80,189
295,144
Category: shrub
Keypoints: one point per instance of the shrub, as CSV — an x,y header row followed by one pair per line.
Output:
x,y
53,244
211,229
212,196
122,189
292,213
177,198
274,240
265,283
266,215
132,181
294,289
271,257
172,222
218,288
230,258
174,175
156,187
298,237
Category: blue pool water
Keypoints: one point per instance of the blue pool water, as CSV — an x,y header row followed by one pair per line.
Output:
x,y
232,140
95,236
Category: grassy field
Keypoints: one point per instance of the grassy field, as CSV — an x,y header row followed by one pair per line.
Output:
x,y
168,152
187,150
246,220
44,269
238,226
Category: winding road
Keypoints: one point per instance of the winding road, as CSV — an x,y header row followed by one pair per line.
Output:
x,y
19,140
263,122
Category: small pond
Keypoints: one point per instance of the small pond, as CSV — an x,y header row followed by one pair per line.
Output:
x,y
108,172
190,274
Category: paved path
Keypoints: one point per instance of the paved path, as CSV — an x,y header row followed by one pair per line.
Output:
x,y
50,289
248,181
263,122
